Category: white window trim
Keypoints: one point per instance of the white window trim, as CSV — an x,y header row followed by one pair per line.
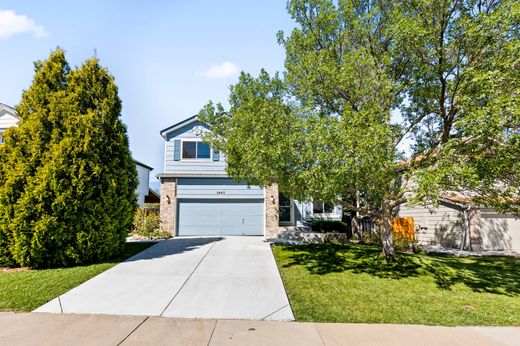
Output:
x,y
195,159
323,208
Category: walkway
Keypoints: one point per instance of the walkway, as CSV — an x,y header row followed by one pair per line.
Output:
x,y
63,329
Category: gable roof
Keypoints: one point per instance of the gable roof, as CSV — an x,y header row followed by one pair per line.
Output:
x,y
179,125
9,110
143,165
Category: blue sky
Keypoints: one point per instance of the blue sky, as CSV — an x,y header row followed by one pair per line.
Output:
x,y
168,57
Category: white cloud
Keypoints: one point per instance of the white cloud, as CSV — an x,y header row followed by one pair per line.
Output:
x,y
225,70
12,23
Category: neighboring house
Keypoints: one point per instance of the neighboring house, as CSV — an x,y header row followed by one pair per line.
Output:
x,y
8,118
198,198
144,193
457,223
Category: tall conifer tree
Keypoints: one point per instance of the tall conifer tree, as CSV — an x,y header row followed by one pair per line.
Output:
x,y
68,181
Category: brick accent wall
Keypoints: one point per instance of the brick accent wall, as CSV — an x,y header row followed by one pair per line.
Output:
x,y
168,204
271,202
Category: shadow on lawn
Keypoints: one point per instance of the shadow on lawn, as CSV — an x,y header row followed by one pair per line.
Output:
x,y
499,275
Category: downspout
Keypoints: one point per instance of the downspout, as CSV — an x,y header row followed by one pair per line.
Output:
x,y
466,228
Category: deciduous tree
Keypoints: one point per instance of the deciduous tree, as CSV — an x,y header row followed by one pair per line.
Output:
x,y
365,80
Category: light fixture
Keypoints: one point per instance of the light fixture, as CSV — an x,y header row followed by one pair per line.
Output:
x,y
168,199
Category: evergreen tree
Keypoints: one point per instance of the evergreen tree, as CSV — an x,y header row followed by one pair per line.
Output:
x,y
68,181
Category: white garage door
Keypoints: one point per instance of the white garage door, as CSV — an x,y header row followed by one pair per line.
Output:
x,y
220,217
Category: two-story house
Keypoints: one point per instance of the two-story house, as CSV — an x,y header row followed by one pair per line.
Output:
x,y
8,118
198,198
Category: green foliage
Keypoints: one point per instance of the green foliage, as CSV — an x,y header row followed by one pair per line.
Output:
x,y
349,283
25,290
145,221
67,179
146,224
325,226
448,71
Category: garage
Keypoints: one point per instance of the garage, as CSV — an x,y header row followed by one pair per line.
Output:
x,y
220,217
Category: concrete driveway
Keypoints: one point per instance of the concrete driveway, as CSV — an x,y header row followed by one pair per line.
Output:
x,y
227,278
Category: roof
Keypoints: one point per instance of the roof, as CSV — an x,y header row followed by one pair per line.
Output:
x,y
191,175
143,165
179,125
9,110
153,192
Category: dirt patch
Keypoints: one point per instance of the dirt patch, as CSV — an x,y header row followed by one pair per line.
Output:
x,y
13,270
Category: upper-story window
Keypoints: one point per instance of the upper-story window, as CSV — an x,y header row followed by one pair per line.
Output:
x,y
195,150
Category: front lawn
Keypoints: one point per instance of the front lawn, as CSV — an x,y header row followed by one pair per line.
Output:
x,y
352,283
25,290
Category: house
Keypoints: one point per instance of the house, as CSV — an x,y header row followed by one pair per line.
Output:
x,y
198,198
458,223
8,118
145,194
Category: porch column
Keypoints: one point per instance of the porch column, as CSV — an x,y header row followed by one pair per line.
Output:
x,y
168,204
272,215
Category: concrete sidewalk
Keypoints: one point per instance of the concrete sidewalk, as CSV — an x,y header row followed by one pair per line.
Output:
x,y
64,329
212,277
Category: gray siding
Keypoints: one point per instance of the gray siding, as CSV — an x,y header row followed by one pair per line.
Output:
x,y
143,174
216,188
197,166
303,212
445,226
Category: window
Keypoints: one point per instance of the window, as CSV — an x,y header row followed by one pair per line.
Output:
x,y
320,208
317,208
284,208
195,150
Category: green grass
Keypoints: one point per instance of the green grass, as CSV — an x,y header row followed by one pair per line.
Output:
x,y
27,290
353,283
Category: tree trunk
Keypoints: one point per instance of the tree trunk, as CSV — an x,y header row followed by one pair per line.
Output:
x,y
387,242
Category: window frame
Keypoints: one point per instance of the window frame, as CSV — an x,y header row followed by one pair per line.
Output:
x,y
323,208
197,159
291,211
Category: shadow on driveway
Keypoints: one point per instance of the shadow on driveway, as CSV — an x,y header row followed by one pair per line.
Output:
x,y
173,247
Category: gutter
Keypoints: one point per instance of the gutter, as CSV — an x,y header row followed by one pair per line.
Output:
x,y
191,175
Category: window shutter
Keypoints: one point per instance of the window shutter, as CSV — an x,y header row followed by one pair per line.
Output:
x,y
177,150
216,155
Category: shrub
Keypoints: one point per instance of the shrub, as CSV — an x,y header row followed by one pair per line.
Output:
x,y
370,238
145,221
328,226
146,224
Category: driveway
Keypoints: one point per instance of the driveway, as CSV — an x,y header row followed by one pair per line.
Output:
x,y
226,278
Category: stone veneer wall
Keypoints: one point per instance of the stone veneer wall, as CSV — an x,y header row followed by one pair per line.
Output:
x,y
168,204
271,202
